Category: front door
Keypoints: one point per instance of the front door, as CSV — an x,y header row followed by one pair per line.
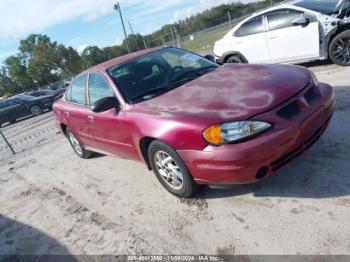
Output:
x,y
110,130
289,42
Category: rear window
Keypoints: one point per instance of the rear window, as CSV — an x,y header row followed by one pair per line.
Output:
x,y
253,26
325,6
77,91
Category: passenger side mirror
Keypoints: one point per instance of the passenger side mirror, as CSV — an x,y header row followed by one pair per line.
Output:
x,y
105,104
210,58
303,21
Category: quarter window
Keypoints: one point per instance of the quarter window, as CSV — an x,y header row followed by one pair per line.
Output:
x,y
98,88
283,18
253,26
77,91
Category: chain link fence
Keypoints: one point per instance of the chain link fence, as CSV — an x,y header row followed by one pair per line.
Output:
x,y
201,42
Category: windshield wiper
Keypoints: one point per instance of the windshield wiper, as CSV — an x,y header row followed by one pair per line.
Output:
x,y
181,79
161,89
193,73
148,92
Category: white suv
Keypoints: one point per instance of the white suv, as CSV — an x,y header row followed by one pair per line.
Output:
x,y
291,32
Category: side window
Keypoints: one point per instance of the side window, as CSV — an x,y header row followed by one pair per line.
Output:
x,y
283,18
76,93
12,102
253,26
98,88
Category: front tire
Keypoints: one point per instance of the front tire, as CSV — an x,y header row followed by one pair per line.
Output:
x,y
339,49
235,59
170,170
36,110
77,146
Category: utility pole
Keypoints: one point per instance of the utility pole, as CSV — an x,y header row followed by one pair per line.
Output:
x,y
117,8
134,36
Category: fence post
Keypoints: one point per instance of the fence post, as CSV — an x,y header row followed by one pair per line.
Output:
x,y
172,35
7,142
229,18
144,43
177,37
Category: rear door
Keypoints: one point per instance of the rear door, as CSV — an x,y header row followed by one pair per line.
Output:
x,y
75,111
110,130
250,40
288,42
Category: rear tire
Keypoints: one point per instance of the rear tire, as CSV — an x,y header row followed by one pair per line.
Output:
x,y
235,59
339,49
77,146
170,170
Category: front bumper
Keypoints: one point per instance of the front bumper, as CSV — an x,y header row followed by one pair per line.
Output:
x,y
255,159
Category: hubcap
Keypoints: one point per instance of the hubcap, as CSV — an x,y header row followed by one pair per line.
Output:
x,y
35,110
169,170
341,50
75,143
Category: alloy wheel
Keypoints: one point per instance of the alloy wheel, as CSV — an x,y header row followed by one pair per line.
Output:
x,y
75,143
169,170
35,110
341,50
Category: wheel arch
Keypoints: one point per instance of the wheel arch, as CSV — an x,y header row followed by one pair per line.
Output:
x,y
144,144
336,31
63,128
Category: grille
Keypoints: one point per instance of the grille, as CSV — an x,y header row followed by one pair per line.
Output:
x,y
310,95
289,111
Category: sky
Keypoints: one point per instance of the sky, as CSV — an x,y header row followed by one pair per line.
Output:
x,y
79,23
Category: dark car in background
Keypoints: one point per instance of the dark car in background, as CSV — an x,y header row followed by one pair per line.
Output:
x,y
26,104
11,110
37,101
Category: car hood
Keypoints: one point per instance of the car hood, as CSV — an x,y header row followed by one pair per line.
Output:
x,y
231,92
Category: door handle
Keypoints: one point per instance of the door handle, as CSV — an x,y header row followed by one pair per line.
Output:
x,y
91,118
273,37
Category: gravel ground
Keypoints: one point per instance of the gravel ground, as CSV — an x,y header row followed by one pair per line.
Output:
x,y
55,203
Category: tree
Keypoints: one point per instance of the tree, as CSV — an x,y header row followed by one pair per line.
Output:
x,y
69,61
92,56
16,73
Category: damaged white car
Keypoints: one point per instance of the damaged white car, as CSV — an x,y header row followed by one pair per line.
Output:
x,y
292,32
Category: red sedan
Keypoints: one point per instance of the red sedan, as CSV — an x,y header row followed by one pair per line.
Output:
x,y
193,122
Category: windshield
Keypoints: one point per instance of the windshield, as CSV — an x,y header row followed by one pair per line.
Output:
x,y
327,7
145,77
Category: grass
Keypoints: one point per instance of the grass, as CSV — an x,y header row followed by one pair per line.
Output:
x,y
203,43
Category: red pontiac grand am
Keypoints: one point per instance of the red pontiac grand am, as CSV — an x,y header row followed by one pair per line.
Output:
x,y
192,121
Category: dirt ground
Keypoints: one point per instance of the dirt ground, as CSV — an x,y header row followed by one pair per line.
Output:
x,y
52,202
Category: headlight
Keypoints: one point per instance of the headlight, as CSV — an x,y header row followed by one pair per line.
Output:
x,y
234,131
314,78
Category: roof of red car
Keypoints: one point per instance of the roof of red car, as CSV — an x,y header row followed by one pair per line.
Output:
x,y
120,60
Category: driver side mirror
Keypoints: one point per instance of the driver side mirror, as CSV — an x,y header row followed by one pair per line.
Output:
x,y
105,104
303,21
